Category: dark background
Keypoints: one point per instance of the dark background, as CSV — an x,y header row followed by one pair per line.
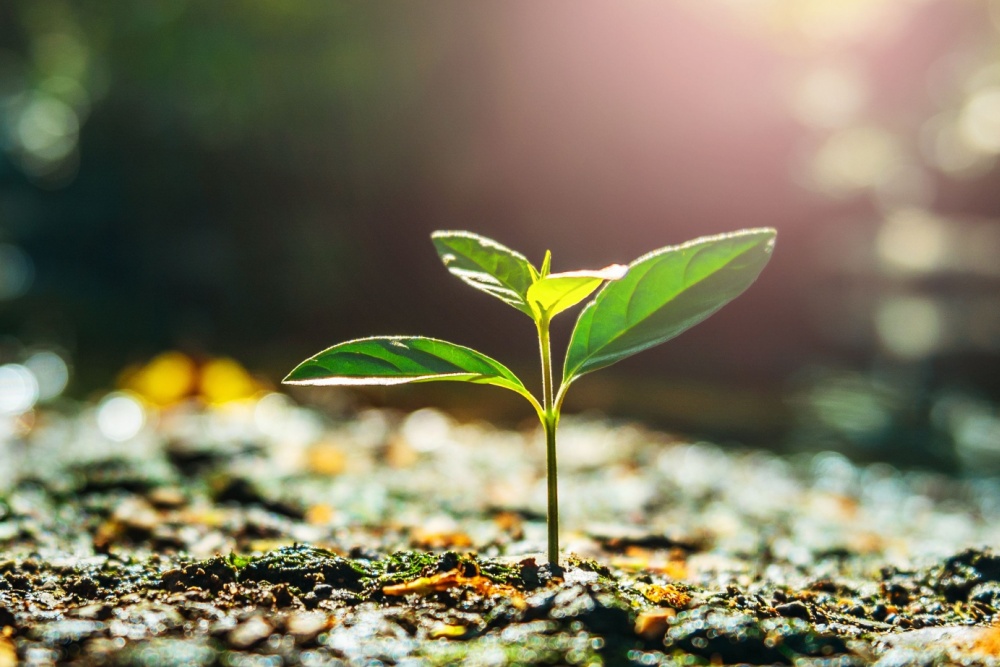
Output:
x,y
259,179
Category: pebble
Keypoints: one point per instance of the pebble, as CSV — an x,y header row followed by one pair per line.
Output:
x,y
306,625
763,546
166,497
65,631
251,631
793,610
958,644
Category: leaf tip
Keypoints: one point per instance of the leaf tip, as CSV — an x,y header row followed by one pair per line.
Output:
x,y
546,264
771,236
769,232
294,376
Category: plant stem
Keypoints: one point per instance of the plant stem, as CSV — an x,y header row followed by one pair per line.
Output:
x,y
550,421
553,516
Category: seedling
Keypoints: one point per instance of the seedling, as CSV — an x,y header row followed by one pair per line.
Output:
x,y
650,301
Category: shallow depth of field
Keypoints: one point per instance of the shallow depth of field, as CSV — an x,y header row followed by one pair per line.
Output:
x,y
194,197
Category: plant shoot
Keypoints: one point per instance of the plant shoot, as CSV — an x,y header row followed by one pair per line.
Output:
x,y
648,302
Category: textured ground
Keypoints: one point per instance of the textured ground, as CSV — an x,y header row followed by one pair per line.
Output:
x,y
263,534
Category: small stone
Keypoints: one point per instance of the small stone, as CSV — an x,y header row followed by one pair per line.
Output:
x,y
166,497
158,652
93,612
137,515
448,631
66,631
856,610
948,644
986,593
653,624
306,625
251,631
282,596
550,571
793,609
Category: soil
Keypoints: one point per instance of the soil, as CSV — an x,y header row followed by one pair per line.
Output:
x,y
266,534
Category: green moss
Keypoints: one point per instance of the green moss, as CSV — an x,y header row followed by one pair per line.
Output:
x,y
304,567
502,573
239,562
588,564
398,567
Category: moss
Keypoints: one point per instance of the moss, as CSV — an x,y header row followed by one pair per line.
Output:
x,y
397,568
239,562
304,567
588,564
503,573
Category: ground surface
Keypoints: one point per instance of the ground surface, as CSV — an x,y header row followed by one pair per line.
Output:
x,y
262,534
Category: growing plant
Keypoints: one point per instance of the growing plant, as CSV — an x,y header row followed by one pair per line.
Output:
x,y
650,301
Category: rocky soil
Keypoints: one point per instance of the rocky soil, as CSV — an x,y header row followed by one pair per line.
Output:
x,y
262,533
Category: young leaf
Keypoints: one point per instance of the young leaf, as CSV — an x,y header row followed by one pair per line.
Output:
x,y
546,265
487,266
664,293
556,292
388,360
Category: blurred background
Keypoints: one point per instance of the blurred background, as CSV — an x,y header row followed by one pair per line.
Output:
x,y
196,196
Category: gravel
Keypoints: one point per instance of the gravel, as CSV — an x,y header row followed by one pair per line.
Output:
x,y
263,533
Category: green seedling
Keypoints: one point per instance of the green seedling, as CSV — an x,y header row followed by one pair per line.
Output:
x,y
650,301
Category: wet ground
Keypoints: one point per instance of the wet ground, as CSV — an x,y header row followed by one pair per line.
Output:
x,y
262,533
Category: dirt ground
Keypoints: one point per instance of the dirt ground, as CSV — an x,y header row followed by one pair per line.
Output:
x,y
266,534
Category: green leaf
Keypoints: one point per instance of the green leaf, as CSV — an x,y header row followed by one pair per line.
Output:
x,y
487,266
546,265
389,360
556,292
664,293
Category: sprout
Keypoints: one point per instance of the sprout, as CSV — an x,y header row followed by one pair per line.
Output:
x,y
646,303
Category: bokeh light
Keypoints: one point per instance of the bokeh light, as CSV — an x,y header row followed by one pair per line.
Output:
x,y
224,380
120,416
856,159
171,207
51,372
830,96
47,129
16,272
914,241
979,123
910,327
278,418
18,389
949,151
166,379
